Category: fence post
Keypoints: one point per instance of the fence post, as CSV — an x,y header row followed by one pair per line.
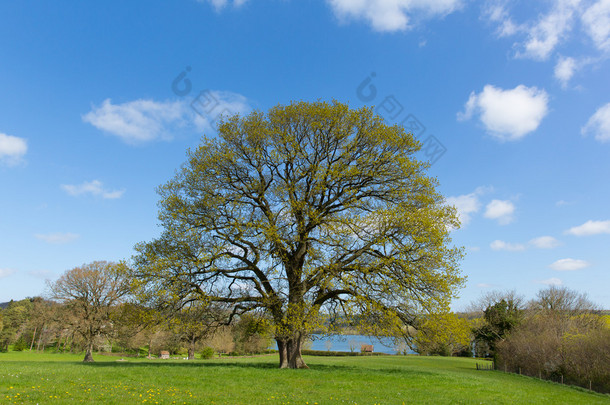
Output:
x,y
562,378
519,370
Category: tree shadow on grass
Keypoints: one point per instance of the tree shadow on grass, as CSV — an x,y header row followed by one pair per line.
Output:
x,y
323,368
185,364
272,364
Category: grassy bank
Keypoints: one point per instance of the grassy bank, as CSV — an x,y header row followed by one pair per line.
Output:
x,y
61,378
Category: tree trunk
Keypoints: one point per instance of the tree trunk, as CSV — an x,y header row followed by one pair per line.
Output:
x,y
192,353
39,339
33,337
282,348
193,343
88,355
290,352
294,352
58,343
66,339
72,342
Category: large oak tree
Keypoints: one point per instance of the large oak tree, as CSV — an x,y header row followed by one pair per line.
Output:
x,y
309,210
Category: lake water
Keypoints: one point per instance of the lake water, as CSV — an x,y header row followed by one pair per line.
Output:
x,y
348,343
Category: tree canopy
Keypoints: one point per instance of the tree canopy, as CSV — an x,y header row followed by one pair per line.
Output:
x,y
91,291
309,209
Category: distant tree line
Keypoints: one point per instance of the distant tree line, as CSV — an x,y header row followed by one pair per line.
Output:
x,y
561,336
89,309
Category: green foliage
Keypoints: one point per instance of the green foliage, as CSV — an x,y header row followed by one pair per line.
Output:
x,y
606,320
251,334
20,345
443,334
500,318
14,316
192,323
207,353
311,208
561,336
586,358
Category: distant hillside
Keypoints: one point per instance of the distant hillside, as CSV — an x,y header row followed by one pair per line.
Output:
x,y
4,304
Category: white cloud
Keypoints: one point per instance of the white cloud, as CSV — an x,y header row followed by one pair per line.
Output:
x,y
467,204
498,13
510,114
544,35
596,21
539,36
7,272
220,4
551,281
590,228
142,121
137,121
210,105
544,242
564,70
94,187
541,28
599,124
511,247
500,210
57,238
392,15
569,265
12,149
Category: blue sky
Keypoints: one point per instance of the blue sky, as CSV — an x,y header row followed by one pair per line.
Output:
x,y
99,102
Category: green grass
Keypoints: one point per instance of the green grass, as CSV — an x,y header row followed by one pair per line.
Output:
x,y
63,379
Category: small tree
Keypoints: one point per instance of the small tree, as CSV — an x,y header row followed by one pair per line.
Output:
x,y
91,291
500,319
193,323
568,308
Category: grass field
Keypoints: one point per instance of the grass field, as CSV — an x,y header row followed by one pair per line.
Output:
x,y
61,378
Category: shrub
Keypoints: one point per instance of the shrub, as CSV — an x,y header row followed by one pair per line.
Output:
x,y
20,345
207,353
562,339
